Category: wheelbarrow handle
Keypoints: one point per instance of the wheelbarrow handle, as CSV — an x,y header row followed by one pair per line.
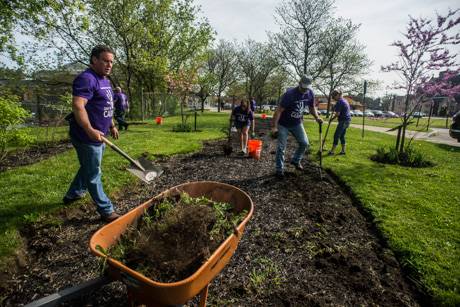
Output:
x,y
70,293
122,153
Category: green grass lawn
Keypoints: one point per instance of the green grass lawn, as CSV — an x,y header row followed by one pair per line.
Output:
x,y
35,189
418,210
393,122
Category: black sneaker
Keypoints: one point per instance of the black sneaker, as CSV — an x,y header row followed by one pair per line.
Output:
x,y
297,166
67,200
279,174
342,153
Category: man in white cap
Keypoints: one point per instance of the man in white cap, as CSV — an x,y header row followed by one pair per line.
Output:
x,y
288,117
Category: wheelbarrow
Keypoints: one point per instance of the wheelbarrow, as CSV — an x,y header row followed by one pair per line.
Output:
x,y
141,289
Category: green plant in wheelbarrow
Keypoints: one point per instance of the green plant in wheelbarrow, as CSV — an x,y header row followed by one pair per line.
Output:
x,y
174,237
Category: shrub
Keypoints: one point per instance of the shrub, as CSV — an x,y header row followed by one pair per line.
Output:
x,y
182,127
12,115
409,157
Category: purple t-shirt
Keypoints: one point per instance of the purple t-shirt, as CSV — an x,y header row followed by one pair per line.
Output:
x,y
98,91
294,103
343,108
252,105
242,117
121,101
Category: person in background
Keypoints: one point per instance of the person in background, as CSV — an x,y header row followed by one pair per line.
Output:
x,y
253,106
92,105
242,117
342,112
121,108
288,117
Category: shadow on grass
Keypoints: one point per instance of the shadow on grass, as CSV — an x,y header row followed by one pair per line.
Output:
x,y
447,147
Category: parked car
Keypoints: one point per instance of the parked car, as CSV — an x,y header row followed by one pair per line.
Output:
x,y
368,113
352,113
377,113
322,112
390,114
358,113
418,114
454,130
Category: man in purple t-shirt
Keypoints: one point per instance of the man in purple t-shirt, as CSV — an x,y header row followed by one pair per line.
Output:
x,y
342,112
288,117
92,106
121,107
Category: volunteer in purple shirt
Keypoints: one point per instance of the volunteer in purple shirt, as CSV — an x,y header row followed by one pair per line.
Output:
x,y
242,117
92,106
121,107
342,112
288,117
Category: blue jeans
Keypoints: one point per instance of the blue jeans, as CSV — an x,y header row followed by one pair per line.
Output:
x,y
299,133
340,132
88,177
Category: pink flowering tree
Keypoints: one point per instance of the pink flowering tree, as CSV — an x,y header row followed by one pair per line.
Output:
x,y
424,51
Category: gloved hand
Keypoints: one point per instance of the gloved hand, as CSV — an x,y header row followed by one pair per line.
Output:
x,y
253,135
274,134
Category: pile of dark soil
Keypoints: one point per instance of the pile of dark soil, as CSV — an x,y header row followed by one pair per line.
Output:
x,y
307,244
33,154
175,237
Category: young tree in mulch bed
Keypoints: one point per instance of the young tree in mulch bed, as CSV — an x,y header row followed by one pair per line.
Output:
x,y
175,237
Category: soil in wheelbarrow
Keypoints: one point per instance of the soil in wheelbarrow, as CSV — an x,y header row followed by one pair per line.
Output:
x,y
175,236
308,243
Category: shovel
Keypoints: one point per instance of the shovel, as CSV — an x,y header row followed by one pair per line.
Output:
x,y
321,141
142,168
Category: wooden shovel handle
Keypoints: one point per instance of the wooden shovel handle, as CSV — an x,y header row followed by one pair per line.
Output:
x,y
122,153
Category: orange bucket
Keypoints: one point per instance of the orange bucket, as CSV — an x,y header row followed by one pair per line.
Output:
x,y
263,116
159,120
255,148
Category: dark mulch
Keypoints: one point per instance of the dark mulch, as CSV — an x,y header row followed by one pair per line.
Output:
x,y
306,245
33,154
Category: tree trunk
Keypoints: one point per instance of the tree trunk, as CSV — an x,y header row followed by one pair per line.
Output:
x,y
405,121
218,102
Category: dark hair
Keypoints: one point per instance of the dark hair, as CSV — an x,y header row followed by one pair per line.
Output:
x,y
336,92
97,50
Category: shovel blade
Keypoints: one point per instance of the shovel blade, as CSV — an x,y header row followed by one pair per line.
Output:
x,y
151,171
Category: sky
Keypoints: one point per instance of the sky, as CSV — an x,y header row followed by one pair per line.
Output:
x,y
382,22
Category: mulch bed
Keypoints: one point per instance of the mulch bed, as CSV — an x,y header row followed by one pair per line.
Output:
x,y
307,244
33,154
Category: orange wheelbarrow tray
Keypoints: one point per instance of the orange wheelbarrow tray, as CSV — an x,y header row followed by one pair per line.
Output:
x,y
143,290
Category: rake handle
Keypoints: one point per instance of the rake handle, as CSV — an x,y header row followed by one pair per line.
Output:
x,y
122,153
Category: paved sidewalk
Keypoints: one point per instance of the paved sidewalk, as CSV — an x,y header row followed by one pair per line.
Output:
x,y
437,135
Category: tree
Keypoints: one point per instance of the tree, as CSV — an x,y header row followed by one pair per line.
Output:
x,y
303,26
150,38
257,62
348,61
276,84
226,71
424,51
207,78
